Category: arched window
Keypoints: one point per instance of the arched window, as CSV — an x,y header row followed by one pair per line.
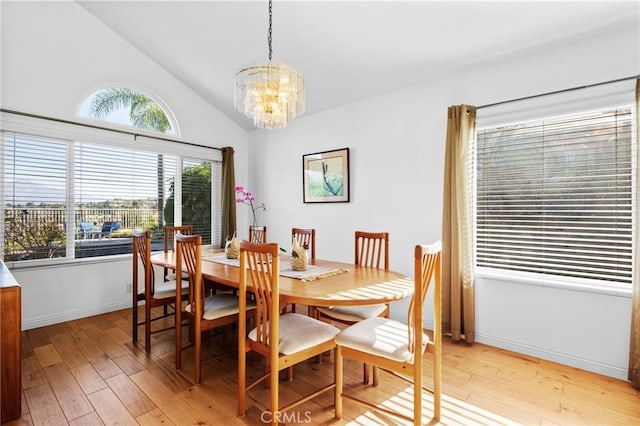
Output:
x,y
127,106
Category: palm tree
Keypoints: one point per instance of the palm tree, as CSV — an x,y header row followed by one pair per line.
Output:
x,y
143,113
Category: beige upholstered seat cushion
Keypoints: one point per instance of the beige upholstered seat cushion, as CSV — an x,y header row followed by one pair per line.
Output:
x,y
299,332
379,336
221,305
353,313
166,289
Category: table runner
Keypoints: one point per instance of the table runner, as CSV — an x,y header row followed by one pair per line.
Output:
x,y
313,272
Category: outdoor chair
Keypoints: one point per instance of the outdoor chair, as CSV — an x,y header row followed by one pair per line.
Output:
x,y
108,228
86,230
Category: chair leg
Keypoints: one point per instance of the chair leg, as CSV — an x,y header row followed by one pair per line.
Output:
x,y
273,382
338,365
242,378
375,376
365,374
147,327
198,353
134,320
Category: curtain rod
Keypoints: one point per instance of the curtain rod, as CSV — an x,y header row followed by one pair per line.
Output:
x,y
558,91
95,126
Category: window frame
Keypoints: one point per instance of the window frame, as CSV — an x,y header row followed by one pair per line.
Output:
x,y
620,100
73,133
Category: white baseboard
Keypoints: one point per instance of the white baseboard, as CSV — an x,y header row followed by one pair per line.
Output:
x,y
28,324
609,370
561,358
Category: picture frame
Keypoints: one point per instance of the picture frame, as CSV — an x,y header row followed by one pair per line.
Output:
x,y
325,176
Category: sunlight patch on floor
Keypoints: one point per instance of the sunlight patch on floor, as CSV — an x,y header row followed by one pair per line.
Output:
x,y
454,411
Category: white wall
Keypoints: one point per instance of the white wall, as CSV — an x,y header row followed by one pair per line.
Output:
x,y
54,54
397,150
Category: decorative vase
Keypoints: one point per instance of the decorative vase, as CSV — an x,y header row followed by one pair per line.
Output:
x,y
232,248
299,257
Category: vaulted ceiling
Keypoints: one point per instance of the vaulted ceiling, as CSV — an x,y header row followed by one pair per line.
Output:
x,y
347,50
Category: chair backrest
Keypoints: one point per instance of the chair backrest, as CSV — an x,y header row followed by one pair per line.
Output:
x,y
106,226
115,226
86,226
259,270
427,268
305,236
372,249
258,234
142,258
170,233
188,259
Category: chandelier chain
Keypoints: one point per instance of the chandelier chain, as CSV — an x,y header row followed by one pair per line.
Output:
x,y
269,38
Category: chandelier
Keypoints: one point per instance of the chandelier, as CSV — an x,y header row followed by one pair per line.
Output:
x,y
270,94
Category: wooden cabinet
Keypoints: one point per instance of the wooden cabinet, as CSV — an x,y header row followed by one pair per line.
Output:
x,y
10,349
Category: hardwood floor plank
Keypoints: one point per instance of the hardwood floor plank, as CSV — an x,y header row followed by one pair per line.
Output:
x,y
71,398
68,351
32,374
105,366
87,346
88,378
37,337
166,399
211,410
47,355
128,364
110,408
154,418
136,401
118,335
91,419
44,407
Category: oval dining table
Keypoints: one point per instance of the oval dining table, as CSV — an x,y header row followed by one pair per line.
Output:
x,y
336,283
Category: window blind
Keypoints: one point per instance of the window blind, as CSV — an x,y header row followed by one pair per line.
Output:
x,y
554,196
71,198
34,197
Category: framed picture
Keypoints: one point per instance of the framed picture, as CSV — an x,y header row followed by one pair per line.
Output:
x,y
325,176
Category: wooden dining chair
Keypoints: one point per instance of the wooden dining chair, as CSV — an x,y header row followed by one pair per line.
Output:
x,y
202,313
283,339
396,347
258,234
305,238
371,251
147,288
170,233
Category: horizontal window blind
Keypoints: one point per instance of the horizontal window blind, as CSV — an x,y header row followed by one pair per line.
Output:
x,y
117,191
75,199
196,197
34,197
555,196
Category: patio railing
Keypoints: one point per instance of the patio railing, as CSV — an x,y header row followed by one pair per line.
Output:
x,y
129,218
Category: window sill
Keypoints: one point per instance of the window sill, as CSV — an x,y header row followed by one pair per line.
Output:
x,y
551,281
65,262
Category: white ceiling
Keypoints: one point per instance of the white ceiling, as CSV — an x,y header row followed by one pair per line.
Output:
x,y
347,50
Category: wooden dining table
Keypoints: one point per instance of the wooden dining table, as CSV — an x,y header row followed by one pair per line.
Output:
x,y
336,284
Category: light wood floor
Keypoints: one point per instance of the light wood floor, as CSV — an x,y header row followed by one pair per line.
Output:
x,y
87,372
